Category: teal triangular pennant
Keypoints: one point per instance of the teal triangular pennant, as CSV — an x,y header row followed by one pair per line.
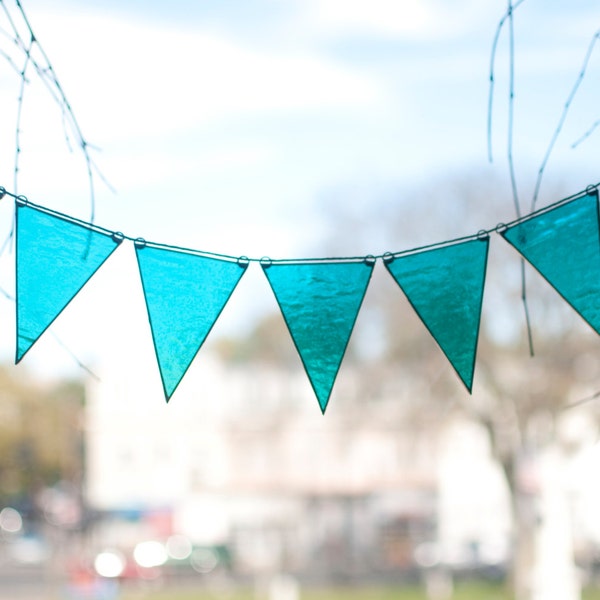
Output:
x,y
320,302
55,258
185,294
563,245
445,287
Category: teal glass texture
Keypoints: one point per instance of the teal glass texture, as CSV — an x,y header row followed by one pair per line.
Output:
x,y
320,303
185,294
445,287
55,258
563,245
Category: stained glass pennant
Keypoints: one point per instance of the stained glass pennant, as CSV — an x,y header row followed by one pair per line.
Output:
x,y
55,257
320,302
185,293
445,287
563,244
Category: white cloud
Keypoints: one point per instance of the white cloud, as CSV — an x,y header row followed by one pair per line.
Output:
x,y
154,166
377,16
134,78
409,19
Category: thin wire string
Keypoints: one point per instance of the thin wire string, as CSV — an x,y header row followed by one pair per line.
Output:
x,y
591,189
385,256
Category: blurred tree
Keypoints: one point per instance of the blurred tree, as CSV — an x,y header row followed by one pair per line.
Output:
x,y
263,343
40,435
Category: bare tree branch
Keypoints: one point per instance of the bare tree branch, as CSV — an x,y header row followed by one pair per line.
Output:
x,y
47,75
563,118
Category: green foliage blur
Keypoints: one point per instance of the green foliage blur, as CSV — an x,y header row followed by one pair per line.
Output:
x,y
41,427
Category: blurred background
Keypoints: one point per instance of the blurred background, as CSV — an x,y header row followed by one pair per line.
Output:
x,y
299,128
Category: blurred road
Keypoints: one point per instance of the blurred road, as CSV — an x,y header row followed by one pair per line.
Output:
x,y
31,582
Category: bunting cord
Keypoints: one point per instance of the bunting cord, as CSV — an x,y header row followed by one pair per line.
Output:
x,y
141,243
265,261
21,200
482,234
591,189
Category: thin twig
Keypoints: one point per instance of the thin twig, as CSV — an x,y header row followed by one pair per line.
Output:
x,y
77,129
526,308
8,296
511,107
16,36
511,165
80,364
20,112
45,71
8,239
5,33
582,401
492,77
562,119
586,135
11,62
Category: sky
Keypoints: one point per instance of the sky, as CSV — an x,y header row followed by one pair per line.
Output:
x,y
222,126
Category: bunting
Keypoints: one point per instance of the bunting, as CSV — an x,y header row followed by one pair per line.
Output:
x,y
185,293
445,287
320,302
55,257
186,290
563,245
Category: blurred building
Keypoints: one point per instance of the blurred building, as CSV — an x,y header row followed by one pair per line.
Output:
x,y
242,459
